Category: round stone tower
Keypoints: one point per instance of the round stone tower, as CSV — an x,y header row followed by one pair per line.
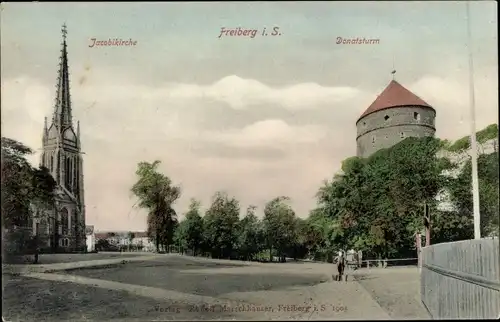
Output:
x,y
395,115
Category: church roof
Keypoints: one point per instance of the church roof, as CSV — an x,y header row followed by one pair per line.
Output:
x,y
394,95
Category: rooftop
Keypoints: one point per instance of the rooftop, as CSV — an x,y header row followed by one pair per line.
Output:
x,y
394,95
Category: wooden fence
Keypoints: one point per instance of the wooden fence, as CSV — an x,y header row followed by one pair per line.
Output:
x,y
461,280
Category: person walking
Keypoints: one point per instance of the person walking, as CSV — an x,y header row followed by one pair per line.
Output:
x,y
340,261
360,258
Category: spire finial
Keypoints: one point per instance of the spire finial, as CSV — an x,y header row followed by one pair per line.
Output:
x,y
64,31
393,68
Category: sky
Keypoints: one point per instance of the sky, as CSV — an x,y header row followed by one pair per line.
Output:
x,y
255,117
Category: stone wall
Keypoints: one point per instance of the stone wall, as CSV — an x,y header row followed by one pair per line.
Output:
x,y
388,127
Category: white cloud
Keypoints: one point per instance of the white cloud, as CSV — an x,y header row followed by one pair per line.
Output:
x,y
124,123
239,93
450,97
269,133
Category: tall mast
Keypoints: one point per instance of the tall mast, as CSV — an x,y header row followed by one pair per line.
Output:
x,y
473,143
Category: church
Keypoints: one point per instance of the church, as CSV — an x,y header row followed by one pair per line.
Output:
x,y
63,228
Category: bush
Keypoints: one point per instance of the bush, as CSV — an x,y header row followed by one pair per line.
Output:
x,y
18,242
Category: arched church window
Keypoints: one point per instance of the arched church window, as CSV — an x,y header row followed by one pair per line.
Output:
x,y
67,172
74,222
64,221
70,173
51,162
75,178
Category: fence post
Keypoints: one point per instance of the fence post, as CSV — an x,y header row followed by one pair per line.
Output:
x,y
418,241
427,224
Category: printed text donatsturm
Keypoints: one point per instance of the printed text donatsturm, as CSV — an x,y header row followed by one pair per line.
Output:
x,y
357,41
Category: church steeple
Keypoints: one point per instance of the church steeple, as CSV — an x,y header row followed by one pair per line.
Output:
x,y
45,130
62,156
62,111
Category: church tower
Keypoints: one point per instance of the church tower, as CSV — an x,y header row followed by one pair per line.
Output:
x,y
63,157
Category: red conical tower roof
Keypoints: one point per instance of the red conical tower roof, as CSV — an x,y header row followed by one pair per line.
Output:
x,y
394,95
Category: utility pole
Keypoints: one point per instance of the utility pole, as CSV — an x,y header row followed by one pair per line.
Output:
x,y
473,143
427,224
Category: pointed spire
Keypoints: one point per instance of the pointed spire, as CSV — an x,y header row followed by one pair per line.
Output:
x,y
45,131
62,112
78,131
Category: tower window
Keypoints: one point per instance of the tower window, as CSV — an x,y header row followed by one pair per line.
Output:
x,y
416,116
64,221
64,242
373,139
386,117
74,174
402,135
74,223
67,172
364,123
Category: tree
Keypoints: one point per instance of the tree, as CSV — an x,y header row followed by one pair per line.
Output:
x,y
157,194
180,237
279,223
193,227
26,192
220,223
298,248
377,203
103,245
250,235
16,183
131,236
461,193
462,145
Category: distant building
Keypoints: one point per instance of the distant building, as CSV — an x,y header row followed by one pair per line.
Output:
x,y
140,240
395,115
111,237
89,233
